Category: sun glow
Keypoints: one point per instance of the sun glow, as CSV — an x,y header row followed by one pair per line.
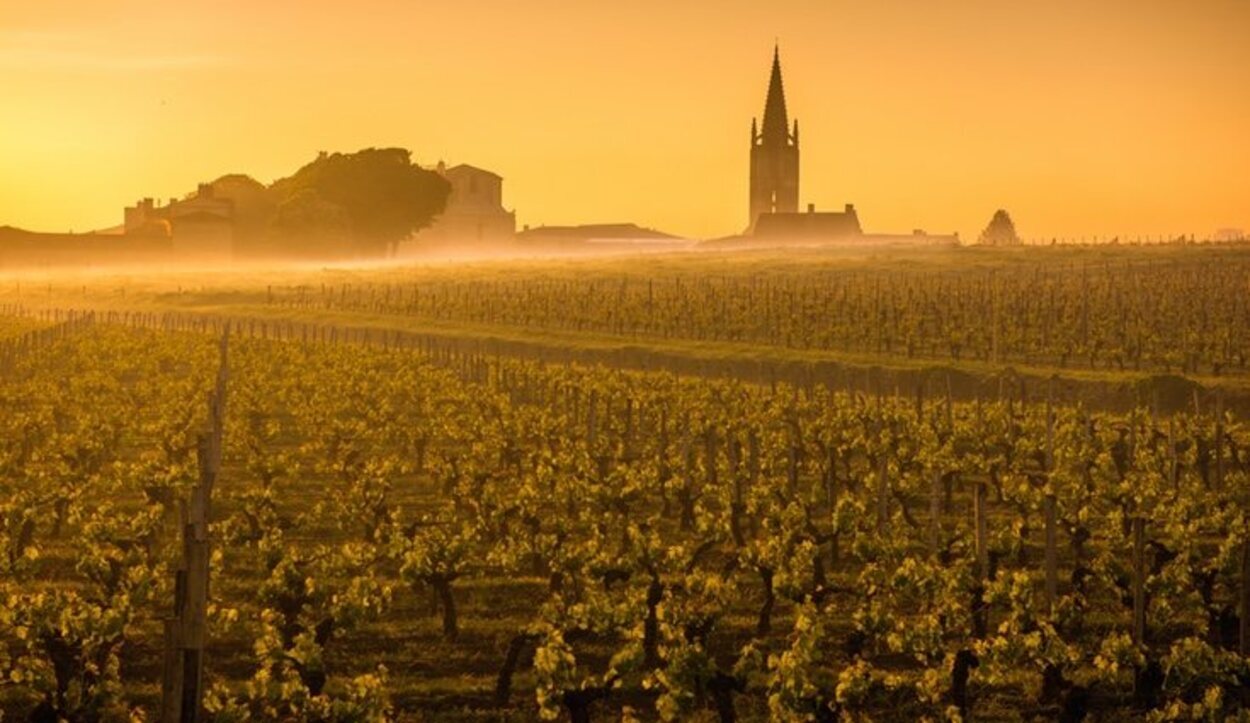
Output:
x,y
1119,118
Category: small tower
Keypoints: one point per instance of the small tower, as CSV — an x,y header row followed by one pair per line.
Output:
x,y
774,154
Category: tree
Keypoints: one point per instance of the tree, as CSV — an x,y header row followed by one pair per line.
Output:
x,y
309,222
383,196
1000,231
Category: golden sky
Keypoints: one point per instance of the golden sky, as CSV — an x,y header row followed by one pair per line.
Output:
x,y
1080,117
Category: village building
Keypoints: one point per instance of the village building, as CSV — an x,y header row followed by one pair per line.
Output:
x,y
474,213
774,188
201,225
774,154
813,224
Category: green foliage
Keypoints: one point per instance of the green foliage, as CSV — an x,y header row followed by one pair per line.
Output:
x,y
377,196
623,590
66,652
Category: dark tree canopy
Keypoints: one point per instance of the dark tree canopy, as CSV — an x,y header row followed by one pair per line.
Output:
x,y
1000,231
383,196
308,221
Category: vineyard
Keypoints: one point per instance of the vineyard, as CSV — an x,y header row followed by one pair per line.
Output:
x,y
1134,310
209,517
406,532
1113,316
1139,311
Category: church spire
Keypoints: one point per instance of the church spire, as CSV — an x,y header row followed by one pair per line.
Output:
x,y
776,124
774,154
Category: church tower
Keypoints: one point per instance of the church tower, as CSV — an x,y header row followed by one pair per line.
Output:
x,y
774,154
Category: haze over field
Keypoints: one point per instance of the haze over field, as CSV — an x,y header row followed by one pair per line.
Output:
x,y
1086,119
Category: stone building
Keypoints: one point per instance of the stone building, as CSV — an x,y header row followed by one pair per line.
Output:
x,y
813,224
199,226
474,213
774,154
774,205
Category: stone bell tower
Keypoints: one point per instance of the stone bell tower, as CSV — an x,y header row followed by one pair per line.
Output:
x,y
774,154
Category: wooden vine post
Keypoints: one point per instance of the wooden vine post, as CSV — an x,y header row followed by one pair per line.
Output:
x,y
711,474
792,469
1219,439
1139,579
627,444
1052,555
182,686
949,411
592,427
935,513
831,494
883,495
1243,642
982,531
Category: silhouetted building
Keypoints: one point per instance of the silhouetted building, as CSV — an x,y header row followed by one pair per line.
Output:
x,y
774,213
142,219
828,228
825,225
774,154
200,225
474,210
253,209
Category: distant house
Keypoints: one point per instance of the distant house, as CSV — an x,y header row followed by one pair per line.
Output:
x,y
474,213
203,234
201,225
829,228
253,211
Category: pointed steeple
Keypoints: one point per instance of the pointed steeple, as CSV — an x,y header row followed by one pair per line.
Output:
x,y
774,154
776,124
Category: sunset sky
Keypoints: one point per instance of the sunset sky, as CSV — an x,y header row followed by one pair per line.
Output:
x,y
1081,118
